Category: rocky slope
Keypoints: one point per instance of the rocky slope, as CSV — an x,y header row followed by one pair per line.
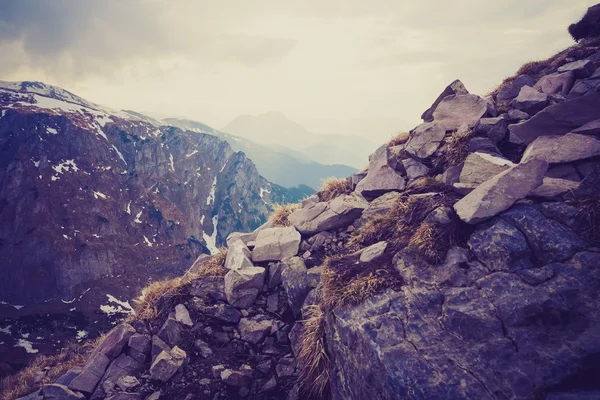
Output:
x,y
276,163
463,264
95,202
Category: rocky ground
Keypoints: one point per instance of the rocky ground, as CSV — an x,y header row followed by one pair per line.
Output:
x,y
462,264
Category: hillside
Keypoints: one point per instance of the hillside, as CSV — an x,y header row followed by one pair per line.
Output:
x,y
462,264
278,164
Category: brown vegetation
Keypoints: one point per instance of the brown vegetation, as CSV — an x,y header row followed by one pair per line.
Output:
x,y
433,240
334,187
588,213
312,358
457,147
280,214
400,138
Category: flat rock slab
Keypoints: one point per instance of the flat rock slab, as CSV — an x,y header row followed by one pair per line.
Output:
x,y
581,68
557,119
91,373
494,128
563,148
591,128
456,87
511,90
500,192
182,315
325,216
456,110
554,187
296,284
381,177
530,100
254,331
276,244
243,286
414,169
60,392
373,252
479,167
425,139
556,83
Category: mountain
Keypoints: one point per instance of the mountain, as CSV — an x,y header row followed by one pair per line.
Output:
x,y
277,163
274,128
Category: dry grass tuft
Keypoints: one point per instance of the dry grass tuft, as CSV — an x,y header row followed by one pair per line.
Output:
x,y
23,382
215,266
280,214
457,146
334,187
315,372
400,138
427,184
432,240
588,212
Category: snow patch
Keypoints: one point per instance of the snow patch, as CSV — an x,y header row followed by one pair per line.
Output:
x,y
98,195
66,166
137,218
211,195
81,335
6,329
148,243
128,209
36,163
52,131
119,307
171,162
211,240
120,155
18,307
192,153
27,345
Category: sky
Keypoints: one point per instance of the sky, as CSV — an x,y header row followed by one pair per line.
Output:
x,y
367,68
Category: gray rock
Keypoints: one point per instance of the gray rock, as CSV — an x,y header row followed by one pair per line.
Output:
x,y
554,187
517,115
501,247
530,100
591,128
501,191
456,110
182,315
269,385
425,139
373,252
456,87
243,286
238,255
167,364
494,128
314,277
139,347
158,346
414,169
536,276
295,283
583,87
203,348
510,91
556,83
236,378
557,119
452,174
581,68
217,369
171,332
338,213
380,206
549,240
68,376
115,340
121,366
275,274
483,145
154,396
254,331
212,287
60,392
560,149
224,313
33,396
275,244
91,373
128,382
381,176
564,171
479,167
243,237
285,367
355,179
124,396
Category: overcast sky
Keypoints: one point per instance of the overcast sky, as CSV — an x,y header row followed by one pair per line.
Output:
x,y
335,66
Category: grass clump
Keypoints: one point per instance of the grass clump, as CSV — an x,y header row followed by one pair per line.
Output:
x,y
399,139
314,365
24,382
588,214
457,146
280,214
433,240
334,187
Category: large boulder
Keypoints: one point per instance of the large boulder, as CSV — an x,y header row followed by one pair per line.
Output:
x,y
120,367
296,284
380,206
167,364
511,90
479,167
91,373
243,286
381,177
238,254
60,392
501,191
253,330
456,87
171,332
275,244
324,216
554,187
591,128
456,110
581,68
425,139
115,340
530,100
557,119
494,128
414,169
556,83
563,148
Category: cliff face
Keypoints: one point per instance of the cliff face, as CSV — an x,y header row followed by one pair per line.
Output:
x,y
88,194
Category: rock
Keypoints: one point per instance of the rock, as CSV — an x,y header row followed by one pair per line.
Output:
x,y
456,110
549,240
425,139
560,149
285,367
517,115
238,255
381,177
294,393
182,315
554,187
274,274
212,287
37,395
326,216
583,87
536,276
591,128
479,167
275,244
581,68
236,378
167,364
203,348
530,100
154,396
452,174
564,171
128,382
125,396
243,286
171,332
91,373
224,313
355,179
68,376
556,83
158,345
115,340
380,206
314,277
140,343
60,392
414,169
273,303
217,369
494,128
373,252
482,145
121,366
501,191
501,247
557,119
253,331
441,215
269,385
511,90
245,238
296,284
455,87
